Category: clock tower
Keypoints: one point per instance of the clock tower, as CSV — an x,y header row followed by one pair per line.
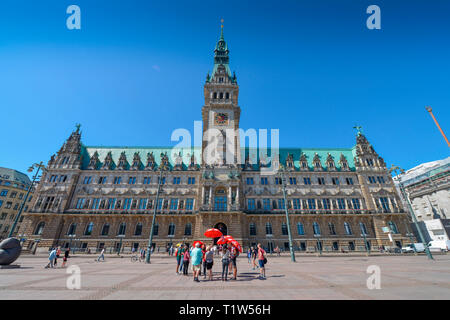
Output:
x,y
221,112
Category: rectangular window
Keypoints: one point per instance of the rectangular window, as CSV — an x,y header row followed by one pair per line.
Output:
x,y
1,203
335,181
126,203
356,204
191,180
372,179
321,181
385,204
173,204
307,180
296,203
264,181
87,180
251,204
160,201
300,229
380,180
80,203
341,203
4,193
102,180
189,204
176,180
146,180
312,204
162,181
326,204
117,180
252,229
132,180
277,180
281,204
249,180
266,204
349,181
293,180
111,203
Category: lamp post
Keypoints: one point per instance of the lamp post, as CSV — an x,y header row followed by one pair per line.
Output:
x,y
71,236
121,236
39,166
150,240
283,183
363,234
402,190
319,244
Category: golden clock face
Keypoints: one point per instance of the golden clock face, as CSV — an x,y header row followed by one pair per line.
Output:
x,y
221,118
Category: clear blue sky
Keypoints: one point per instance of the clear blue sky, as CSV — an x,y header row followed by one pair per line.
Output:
x,y
135,72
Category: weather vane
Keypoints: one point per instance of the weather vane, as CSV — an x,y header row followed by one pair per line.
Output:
x,y
78,126
221,20
358,129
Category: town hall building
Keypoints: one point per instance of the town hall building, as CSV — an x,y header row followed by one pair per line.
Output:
x,y
340,199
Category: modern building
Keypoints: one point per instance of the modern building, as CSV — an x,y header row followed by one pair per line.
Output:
x,y
428,188
104,197
13,188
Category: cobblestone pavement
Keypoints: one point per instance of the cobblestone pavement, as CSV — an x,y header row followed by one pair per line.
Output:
x,y
311,277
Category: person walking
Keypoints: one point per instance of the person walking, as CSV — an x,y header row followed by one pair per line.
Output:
x,y
261,261
197,257
102,255
225,262
66,256
249,255
209,259
51,258
186,257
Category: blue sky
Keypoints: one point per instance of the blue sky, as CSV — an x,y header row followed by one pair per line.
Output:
x,y
135,72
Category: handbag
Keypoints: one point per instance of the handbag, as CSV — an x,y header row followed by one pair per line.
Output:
x,y
265,260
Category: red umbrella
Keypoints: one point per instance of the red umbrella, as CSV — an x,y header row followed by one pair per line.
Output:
x,y
213,233
222,241
236,245
197,241
228,238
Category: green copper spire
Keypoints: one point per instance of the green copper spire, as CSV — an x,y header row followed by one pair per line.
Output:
x,y
221,58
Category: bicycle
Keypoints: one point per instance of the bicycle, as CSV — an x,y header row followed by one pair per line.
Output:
x,y
136,257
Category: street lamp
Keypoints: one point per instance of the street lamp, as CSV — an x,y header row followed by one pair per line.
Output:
x,y
283,183
402,190
39,166
71,236
319,244
150,240
363,234
121,236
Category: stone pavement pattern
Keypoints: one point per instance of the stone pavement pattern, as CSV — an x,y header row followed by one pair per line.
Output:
x,y
311,277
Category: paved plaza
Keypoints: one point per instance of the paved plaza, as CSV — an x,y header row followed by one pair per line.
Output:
x,y
311,277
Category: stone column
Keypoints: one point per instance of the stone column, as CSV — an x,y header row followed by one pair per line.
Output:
x,y
210,198
229,197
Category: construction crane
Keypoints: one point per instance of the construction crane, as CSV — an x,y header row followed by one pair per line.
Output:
x,y
437,124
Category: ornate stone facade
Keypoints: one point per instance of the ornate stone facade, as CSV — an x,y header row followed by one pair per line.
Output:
x,y
108,194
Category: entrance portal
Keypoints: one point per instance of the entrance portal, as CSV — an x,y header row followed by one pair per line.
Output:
x,y
223,228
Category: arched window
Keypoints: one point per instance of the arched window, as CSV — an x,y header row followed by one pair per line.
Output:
x,y
72,229
188,229
138,230
88,230
268,228
362,226
40,228
227,95
105,229
252,229
221,95
393,227
331,228
300,229
215,95
316,228
122,229
348,228
171,229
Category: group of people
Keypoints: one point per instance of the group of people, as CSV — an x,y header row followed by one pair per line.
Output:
x,y
54,255
202,257
257,257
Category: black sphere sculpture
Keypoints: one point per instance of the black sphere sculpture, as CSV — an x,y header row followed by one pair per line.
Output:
x,y
9,251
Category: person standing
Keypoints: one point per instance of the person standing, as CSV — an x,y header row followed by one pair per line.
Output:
x,y
66,256
58,253
51,258
102,255
204,260
249,255
186,257
225,262
254,254
234,253
209,259
197,257
261,261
